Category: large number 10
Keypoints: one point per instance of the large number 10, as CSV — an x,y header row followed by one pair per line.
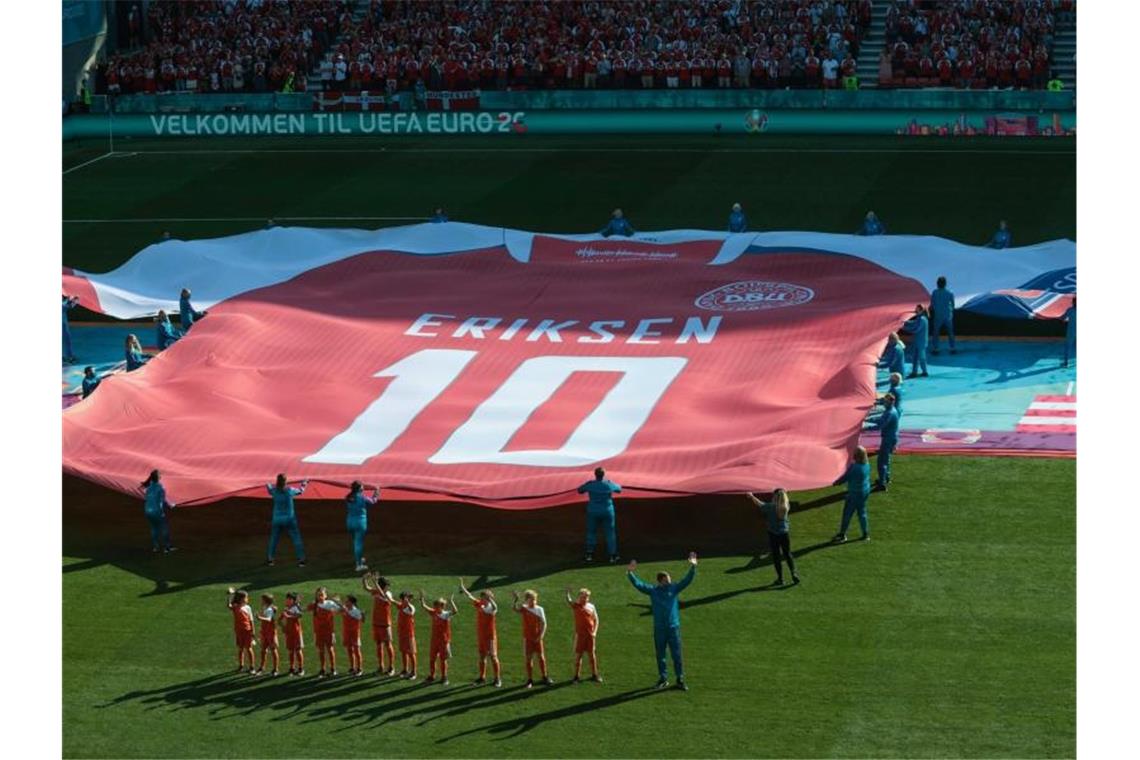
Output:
x,y
419,379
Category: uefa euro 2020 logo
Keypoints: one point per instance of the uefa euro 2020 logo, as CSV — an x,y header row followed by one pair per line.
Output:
x,y
754,295
755,121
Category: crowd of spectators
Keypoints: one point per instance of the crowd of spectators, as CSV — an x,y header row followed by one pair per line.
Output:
x,y
273,45
222,46
970,43
638,44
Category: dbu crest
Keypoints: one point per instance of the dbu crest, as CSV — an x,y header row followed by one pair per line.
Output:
x,y
753,295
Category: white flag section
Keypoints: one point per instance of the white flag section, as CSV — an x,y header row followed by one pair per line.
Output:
x,y
220,268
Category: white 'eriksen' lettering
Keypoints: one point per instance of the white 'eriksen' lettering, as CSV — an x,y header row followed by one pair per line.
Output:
x,y
640,332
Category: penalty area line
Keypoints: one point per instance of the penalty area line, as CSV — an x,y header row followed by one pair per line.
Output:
x,y
88,163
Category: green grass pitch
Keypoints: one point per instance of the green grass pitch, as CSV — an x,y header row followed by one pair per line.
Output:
x,y
952,633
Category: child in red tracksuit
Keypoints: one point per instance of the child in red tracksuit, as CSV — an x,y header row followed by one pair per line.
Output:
x,y
324,616
267,633
353,618
406,634
382,602
440,635
243,626
294,636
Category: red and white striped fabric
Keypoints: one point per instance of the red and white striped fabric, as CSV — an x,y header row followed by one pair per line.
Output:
x,y
1050,414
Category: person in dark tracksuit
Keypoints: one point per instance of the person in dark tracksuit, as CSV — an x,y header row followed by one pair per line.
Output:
x,y
942,315
618,225
666,618
285,517
155,507
737,222
779,534
90,381
871,226
1002,238
888,427
600,513
858,480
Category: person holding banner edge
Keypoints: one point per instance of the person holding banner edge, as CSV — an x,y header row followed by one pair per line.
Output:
x,y
600,513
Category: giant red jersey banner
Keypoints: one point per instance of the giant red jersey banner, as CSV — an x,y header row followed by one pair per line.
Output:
x,y
496,366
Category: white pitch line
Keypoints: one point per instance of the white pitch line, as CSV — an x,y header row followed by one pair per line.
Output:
x,y
892,151
87,163
250,219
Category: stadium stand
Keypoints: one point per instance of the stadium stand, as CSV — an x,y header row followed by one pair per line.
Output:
x,y
969,43
223,46
215,46
640,44
397,45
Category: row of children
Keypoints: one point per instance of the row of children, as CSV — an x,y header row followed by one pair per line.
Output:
x,y
325,609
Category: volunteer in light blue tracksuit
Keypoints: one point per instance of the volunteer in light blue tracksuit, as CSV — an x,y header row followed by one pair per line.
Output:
x,y
285,517
69,303
133,353
888,427
894,355
896,390
600,513
858,480
666,618
155,507
186,314
872,225
919,326
1070,318
942,314
736,220
164,332
618,225
356,506
1002,238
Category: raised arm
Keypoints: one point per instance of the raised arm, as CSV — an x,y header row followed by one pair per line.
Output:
x,y
684,582
638,584
301,490
466,593
569,599
752,498
369,583
423,602
454,609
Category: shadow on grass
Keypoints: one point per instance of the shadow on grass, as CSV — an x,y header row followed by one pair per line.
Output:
x,y
224,542
512,727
